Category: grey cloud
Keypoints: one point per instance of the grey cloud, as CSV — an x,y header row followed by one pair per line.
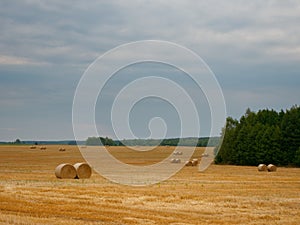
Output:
x,y
71,31
45,46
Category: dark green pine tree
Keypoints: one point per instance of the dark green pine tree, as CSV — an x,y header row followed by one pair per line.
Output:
x,y
260,143
226,150
275,139
297,157
245,139
270,145
244,146
290,127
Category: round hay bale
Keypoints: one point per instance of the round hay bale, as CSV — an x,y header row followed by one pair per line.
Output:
x,y
65,171
188,163
272,168
195,162
83,170
177,161
172,160
262,167
177,153
62,149
32,147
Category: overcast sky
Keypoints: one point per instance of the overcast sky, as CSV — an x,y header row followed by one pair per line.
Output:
x,y
253,48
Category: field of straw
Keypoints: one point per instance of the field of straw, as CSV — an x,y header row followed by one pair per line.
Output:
x,y
31,194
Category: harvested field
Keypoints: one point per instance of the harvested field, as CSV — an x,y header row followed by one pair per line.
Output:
x,y
31,194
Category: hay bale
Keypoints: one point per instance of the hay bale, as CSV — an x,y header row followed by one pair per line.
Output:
x,y
65,171
61,149
177,161
262,167
32,147
188,163
195,162
177,153
272,168
83,170
43,148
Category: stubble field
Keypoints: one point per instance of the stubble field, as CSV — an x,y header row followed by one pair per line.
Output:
x,y
31,194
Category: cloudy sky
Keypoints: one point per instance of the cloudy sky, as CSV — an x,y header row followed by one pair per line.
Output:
x,y
253,48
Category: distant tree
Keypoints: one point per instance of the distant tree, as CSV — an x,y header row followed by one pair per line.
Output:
x,y
18,141
107,141
93,141
72,143
99,141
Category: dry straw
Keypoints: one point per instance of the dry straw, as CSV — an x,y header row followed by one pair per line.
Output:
x,y
65,171
262,167
272,168
83,170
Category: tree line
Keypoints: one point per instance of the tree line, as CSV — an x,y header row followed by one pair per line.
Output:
x,y
265,136
199,142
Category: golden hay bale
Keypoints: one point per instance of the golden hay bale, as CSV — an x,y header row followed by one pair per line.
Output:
x,y
32,147
195,162
83,170
188,163
65,171
272,168
172,160
43,148
262,167
205,155
177,153
62,149
177,161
